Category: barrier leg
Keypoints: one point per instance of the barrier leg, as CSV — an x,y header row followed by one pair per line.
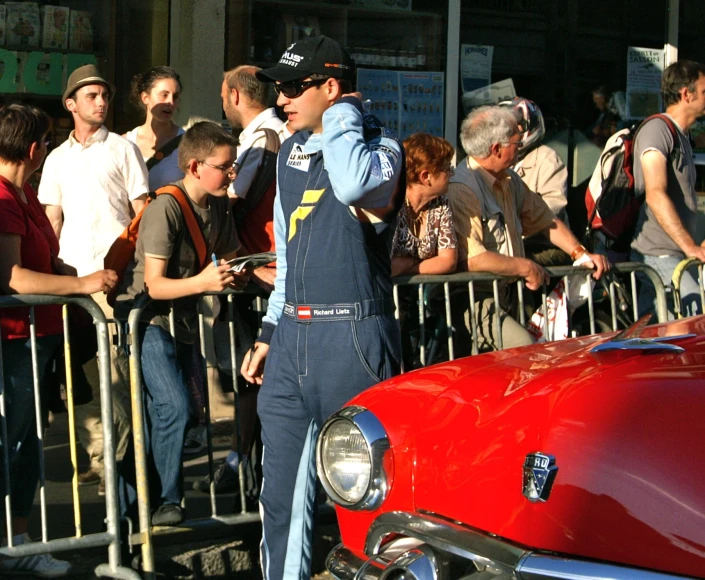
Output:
x,y
72,422
145,524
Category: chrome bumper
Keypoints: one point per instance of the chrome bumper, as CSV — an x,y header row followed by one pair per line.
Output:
x,y
432,543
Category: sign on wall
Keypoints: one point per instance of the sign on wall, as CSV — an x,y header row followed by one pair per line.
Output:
x,y
475,66
644,69
405,102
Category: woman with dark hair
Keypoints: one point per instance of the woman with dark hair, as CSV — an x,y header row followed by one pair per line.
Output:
x,y
29,265
424,241
158,92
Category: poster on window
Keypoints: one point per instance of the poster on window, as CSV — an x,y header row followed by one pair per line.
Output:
x,y
644,70
405,102
475,66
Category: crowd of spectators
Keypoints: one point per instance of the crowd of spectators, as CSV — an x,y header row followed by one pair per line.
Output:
x,y
500,210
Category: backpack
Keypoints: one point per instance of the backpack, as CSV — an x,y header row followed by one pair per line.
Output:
x,y
612,204
122,252
254,214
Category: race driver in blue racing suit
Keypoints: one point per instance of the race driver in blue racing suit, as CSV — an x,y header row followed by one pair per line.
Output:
x,y
329,332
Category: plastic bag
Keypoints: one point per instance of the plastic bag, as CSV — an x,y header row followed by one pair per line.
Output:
x,y
555,325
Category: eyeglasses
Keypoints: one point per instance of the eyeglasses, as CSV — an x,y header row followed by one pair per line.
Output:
x,y
511,143
228,170
450,171
293,89
47,144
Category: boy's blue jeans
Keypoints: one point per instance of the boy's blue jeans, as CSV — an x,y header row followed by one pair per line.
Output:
x,y
167,405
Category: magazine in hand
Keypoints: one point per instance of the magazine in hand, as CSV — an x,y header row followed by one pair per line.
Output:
x,y
252,261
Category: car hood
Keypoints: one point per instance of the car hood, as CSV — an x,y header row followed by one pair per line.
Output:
x,y
625,429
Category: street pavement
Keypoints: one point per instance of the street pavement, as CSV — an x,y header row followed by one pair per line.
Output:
x,y
201,552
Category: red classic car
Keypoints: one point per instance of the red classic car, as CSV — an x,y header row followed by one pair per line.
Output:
x,y
575,460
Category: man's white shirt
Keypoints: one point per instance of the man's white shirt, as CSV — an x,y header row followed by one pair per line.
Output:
x,y
251,149
94,185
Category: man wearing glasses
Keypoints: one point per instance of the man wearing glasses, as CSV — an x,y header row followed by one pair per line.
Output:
x,y
329,332
492,210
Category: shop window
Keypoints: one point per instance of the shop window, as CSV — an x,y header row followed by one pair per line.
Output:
x,y
41,43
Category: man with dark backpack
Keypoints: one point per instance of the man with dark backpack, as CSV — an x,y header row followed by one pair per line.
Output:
x,y
664,174
252,195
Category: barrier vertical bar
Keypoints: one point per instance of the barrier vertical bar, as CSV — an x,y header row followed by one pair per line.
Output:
x,y
498,320
472,313
206,400
520,296
236,392
106,414
635,304
38,420
144,509
72,421
5,452
449,321
422,325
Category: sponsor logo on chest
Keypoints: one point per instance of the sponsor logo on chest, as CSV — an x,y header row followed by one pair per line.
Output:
x,y
298,159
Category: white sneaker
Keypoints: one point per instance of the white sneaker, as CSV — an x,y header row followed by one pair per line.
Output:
x,y
40,566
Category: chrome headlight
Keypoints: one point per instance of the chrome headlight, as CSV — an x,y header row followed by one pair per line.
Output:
x,y
353,459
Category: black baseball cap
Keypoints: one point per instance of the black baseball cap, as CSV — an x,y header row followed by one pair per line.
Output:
x,y
316,55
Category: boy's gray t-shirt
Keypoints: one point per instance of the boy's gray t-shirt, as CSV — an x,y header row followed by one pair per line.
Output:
x,y
650,238
163,234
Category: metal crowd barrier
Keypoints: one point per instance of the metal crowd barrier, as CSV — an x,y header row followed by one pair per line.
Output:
x,y
145,536
111,537
685,266
614,288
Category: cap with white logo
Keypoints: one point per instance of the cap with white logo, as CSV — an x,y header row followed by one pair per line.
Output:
x,y
319,55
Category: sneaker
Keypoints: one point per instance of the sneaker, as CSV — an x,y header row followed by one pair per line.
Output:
x,y
90,477
40,566
195,441
168,514
225,478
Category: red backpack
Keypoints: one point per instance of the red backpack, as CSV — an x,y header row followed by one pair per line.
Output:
x,y
612,204
122,253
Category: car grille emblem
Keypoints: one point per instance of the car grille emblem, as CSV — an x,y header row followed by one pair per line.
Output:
x,y
539,474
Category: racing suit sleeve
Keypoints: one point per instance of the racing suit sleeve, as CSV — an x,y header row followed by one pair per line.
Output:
x,y
276,298
362,174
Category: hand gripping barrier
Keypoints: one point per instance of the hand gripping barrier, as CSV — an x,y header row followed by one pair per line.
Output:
x,y
111,537
612,293
679,301
217,524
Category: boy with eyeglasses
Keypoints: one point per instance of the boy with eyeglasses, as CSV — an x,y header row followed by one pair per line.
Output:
x,y
167,268
330,331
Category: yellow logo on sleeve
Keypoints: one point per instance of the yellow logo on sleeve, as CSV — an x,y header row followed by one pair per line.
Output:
x,y
308,202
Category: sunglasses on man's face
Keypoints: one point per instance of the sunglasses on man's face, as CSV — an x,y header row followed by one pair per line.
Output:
x,y
293,89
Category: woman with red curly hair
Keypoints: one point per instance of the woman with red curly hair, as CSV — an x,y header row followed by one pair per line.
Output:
x,y
424,241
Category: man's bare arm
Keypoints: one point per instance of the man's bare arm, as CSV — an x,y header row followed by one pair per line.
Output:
x,y
654,166
495,263
56,218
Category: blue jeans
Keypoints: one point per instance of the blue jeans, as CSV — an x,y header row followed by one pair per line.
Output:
x,y
167,406
665,266
22,443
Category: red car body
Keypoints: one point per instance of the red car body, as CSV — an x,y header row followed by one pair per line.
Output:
x,y
626,429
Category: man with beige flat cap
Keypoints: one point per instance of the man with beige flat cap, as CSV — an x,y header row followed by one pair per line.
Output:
x,y
92,185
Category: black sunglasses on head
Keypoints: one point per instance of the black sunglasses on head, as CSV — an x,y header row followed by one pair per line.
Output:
x,y
292,89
